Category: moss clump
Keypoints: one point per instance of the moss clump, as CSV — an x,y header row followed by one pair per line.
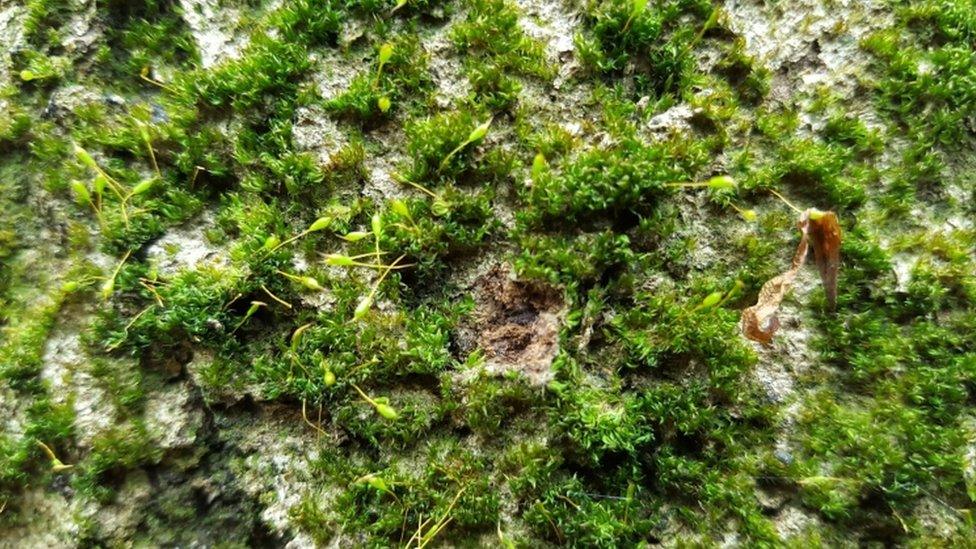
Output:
x,y
927,84
310,22
497,51
378,93
115,451
431,140
630,177
659,38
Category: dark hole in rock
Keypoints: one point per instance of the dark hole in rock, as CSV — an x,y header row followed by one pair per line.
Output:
x,y
516,324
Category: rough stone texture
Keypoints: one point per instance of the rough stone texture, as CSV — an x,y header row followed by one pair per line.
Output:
x,y
446,69
119,521
335,74
214,28
315,131
790,355
969,460
793,521
82,30
66,370
276,451
48,526
174,418
808,43
517,325
186,247
11,38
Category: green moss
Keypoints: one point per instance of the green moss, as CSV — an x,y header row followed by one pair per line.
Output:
x,y
266,67
143,37
852,132
929,86
22,461
430,140
403,81
113,453
37,69
311,22
818,171
431,237
660,37
654,428
741,70
628,177
44,19
451,483
496,50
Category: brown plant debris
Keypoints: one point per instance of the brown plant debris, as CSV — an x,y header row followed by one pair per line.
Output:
x,y
760,322
516,324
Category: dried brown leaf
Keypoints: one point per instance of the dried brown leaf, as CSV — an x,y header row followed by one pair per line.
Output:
x,y
759,322
825,234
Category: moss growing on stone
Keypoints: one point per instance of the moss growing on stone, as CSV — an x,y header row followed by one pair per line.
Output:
x,y
273,270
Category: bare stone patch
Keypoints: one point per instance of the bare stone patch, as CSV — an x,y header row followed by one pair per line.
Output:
x,y
11,38
186,247
64,370
969,458
118,521
314,131
213,28
446,69
677,119
791,355
810,42
173,418
553,24
47,526
793,521
82,31
516,324
276,470
336,73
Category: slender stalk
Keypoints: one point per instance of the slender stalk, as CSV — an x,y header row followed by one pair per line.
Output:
x,y
144,74
364,395
785,201
389,268
290,240
276,298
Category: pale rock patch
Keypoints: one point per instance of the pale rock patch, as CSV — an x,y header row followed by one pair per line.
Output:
x,y
212,26
793,521
118,521
446,68
315,132
65,369
82,30
50,525
173,418
186,247
11,39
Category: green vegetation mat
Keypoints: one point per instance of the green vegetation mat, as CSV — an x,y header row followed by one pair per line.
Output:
x,y
470,273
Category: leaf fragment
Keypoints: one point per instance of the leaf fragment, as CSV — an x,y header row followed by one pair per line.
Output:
x,y
826,236
760,322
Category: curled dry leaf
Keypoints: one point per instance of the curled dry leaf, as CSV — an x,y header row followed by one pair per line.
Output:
x,y
825,236
760,322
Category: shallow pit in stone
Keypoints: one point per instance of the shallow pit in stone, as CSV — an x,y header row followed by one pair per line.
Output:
x,y
516,324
